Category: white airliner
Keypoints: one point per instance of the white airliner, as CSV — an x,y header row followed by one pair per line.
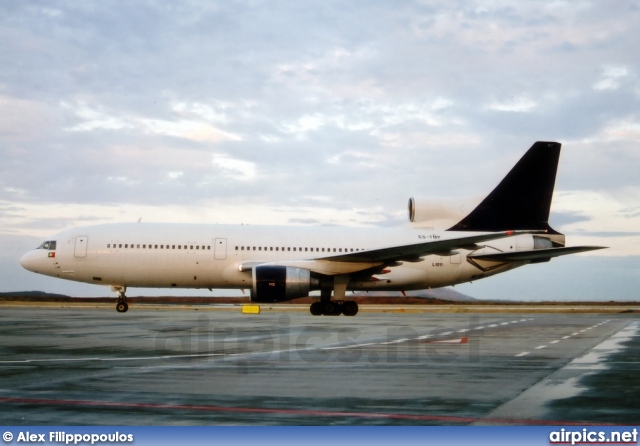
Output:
x,y
442,245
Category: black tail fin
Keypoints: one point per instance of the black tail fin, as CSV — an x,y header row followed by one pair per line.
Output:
x,y
522,199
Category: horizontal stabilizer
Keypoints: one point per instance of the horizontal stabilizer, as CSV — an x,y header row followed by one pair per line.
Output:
x,y
536,254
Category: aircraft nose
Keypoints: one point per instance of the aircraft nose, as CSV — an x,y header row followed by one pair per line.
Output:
x,y
27,261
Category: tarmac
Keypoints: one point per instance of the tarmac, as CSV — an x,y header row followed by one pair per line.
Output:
x,y
213,365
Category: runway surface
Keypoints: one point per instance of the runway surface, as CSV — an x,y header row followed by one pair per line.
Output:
x,y
93,366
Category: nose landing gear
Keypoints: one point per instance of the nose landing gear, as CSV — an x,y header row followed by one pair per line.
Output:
x,y
121,303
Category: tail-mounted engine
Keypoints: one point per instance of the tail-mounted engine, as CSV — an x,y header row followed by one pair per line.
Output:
x,y
281,283
437,214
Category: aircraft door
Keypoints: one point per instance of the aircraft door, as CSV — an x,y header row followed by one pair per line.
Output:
x,y
80,249
220,249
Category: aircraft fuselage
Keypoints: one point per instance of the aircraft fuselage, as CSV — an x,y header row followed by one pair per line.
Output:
x,y
211,256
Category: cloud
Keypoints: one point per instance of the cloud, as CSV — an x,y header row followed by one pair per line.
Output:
x,y
519,105
196,125
611,78
234,168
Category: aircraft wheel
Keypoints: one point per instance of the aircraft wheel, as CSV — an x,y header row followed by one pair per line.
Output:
x,y
350,308
332,309
316,308
122,307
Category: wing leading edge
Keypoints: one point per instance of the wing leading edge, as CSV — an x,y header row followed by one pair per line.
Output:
x,y
363,260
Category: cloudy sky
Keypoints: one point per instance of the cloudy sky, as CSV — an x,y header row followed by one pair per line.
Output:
x,y
319,113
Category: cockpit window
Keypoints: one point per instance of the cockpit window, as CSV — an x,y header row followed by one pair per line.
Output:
x,y
50,245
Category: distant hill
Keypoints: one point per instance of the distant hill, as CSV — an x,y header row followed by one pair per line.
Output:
x,y
441,296
33,295
448,294
427,297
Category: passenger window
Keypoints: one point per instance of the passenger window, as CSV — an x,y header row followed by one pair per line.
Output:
x,y
191,247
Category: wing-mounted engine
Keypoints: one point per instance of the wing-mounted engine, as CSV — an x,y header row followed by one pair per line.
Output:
x,y
437,214
281,283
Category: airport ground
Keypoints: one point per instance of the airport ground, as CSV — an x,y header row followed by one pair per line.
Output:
x,y
85,364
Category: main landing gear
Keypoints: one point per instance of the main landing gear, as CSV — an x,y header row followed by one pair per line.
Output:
x,y
121,303
328,307
334,308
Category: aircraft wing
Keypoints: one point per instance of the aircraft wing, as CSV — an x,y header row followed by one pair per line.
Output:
x,y
409,253
363,260
536,254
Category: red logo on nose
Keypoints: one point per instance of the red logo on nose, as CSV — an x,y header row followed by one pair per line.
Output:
x,y
52,254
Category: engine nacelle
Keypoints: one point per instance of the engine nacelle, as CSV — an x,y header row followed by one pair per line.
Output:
x,y
280,283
